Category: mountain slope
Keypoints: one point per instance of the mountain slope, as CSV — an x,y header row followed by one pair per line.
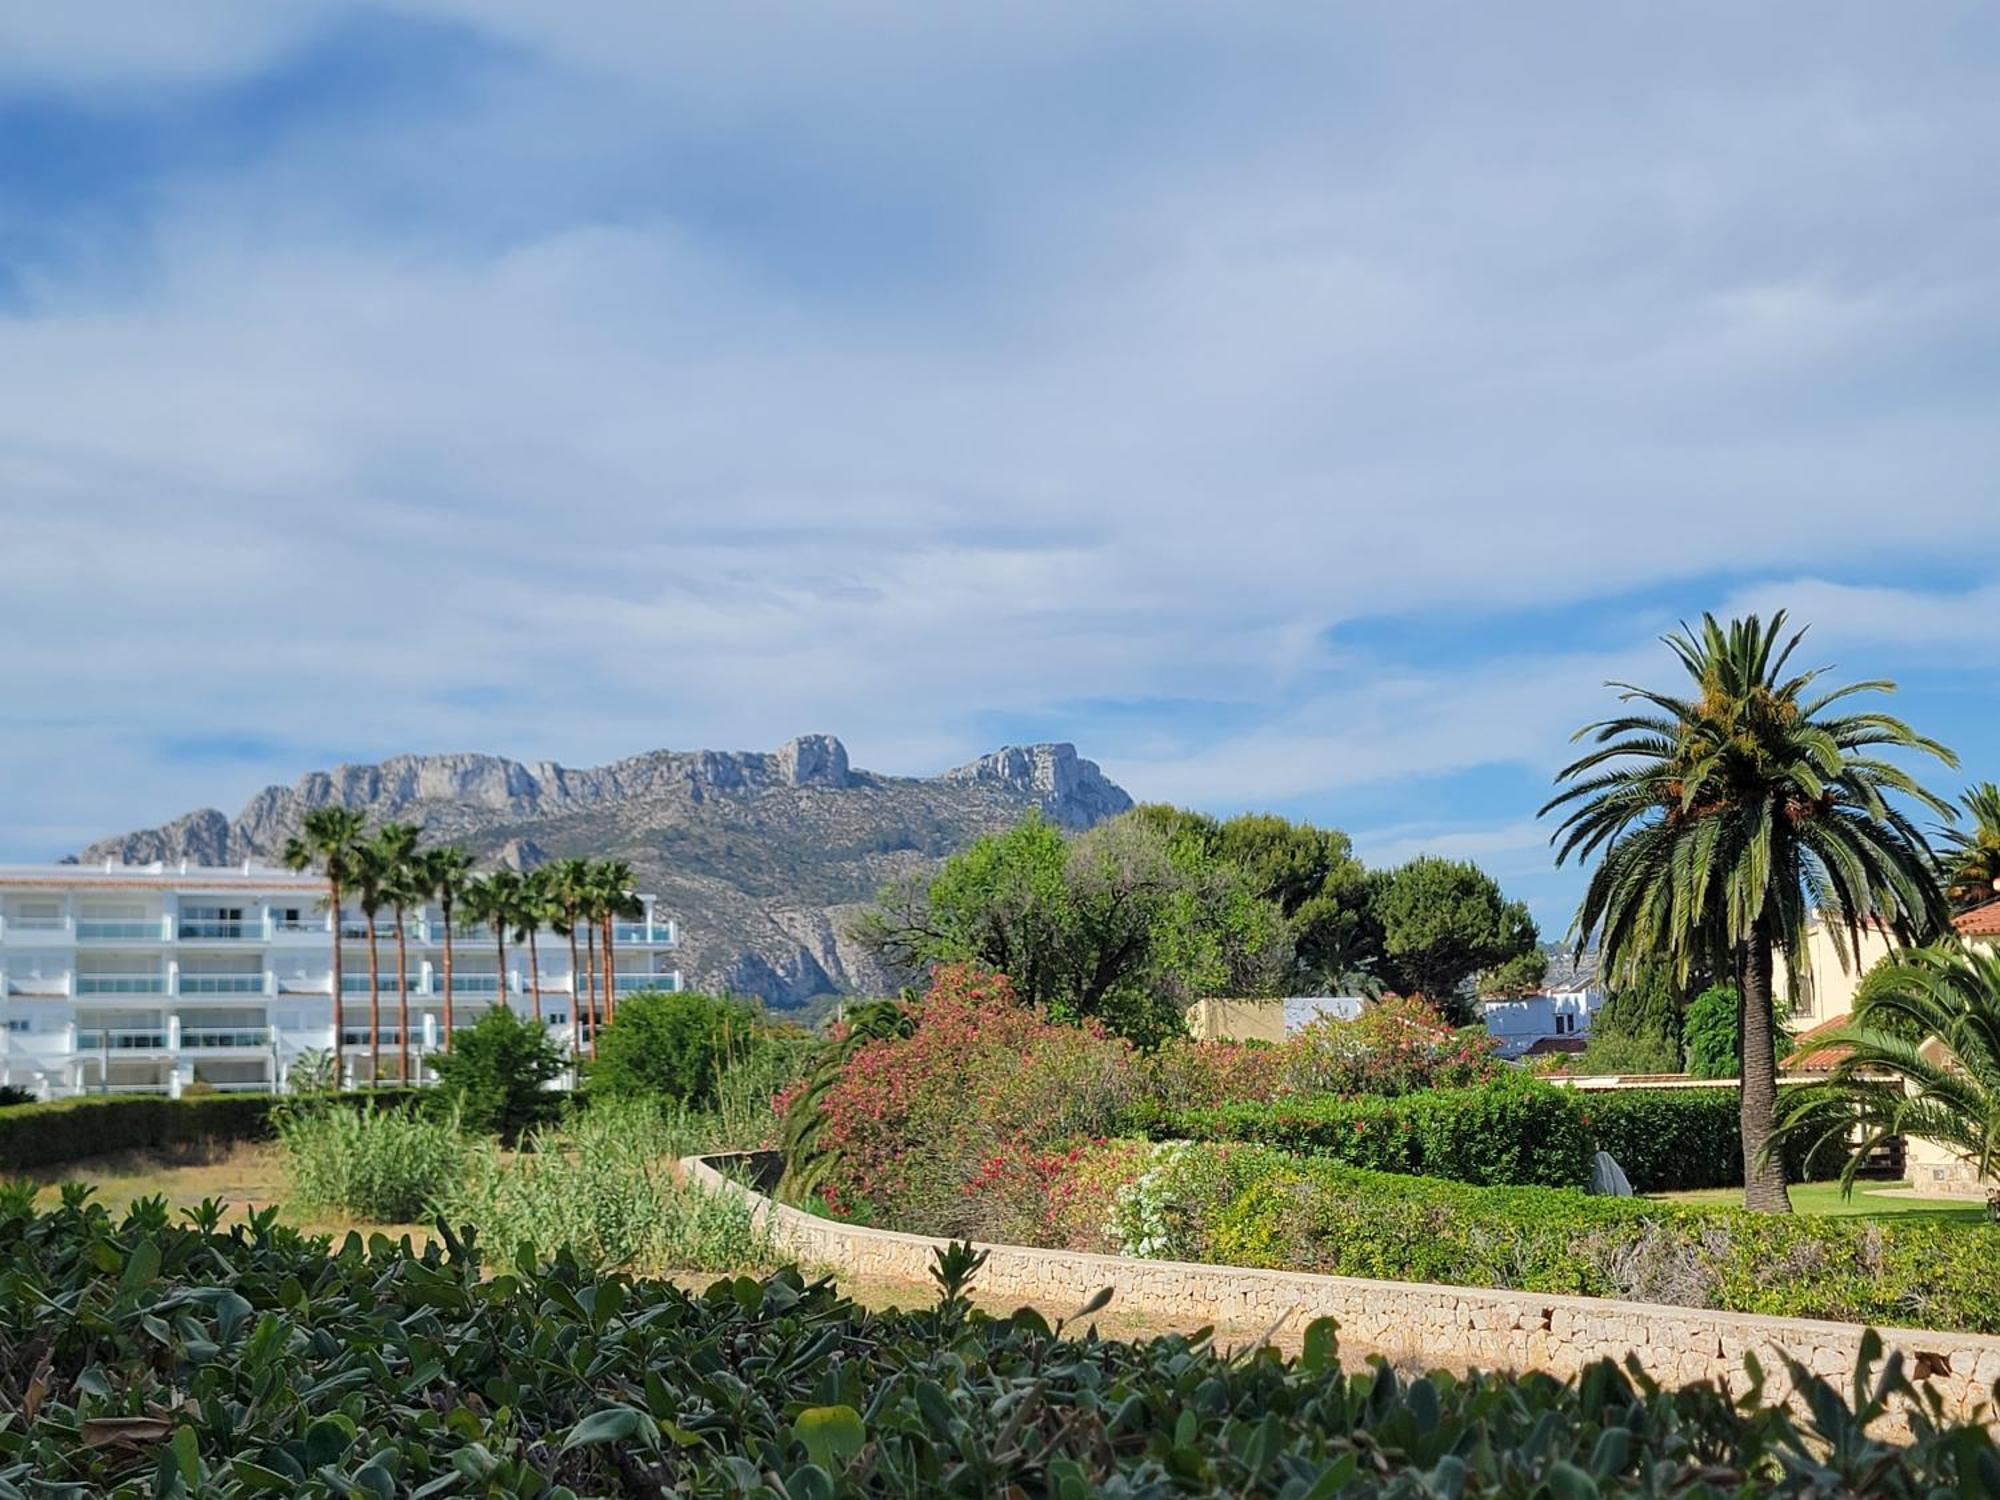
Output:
x,y
762,857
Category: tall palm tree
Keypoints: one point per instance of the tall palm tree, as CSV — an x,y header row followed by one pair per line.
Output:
x,y
1970,858
373,876
404,887
590,901
1724,818
447,874
616,900
1923,1060
568,890
493,901
330,840
531,910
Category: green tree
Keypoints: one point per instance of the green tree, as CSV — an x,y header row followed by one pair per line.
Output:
x,y
405,884
1638,1028
672,1046
1712,1032
374,873
1444,921
1970,856
497,1076
568,900
1724,816
447,875
1923,1060
493,901
330,841
534,907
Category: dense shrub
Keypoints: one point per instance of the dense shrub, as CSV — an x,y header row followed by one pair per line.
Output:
x,y
495,1078
384,1370
673,1047
386,1166
1708,1033
1514,1130
1677,1140
1253,1206
1393,1047
62,1130
911,1120
1184,1075
602,1186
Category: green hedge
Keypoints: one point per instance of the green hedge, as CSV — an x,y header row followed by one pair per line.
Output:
x,y
1251,1206
1677,1140
62,1130
1511,1131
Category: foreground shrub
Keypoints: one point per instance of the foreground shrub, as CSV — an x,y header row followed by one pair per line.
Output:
x,y
1513,1131
496,1077
382,1370
1393,1047
911,1121
602,1186
388,1166
1679,1140
672,1047
1255,1206
61,1130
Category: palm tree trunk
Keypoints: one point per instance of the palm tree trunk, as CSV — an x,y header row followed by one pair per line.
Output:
x,y
610,977
500,947
446,908
339,1007
535,975
374,1008
590,979
575,1000
402,1003
1764,1188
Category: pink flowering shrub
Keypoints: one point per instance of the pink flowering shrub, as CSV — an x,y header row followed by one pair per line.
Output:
x,y
1394,1047
1204,1075
955,1127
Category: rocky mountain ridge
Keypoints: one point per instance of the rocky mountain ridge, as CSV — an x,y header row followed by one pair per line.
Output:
x,y
763,857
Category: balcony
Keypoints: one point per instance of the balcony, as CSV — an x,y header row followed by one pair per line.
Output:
x,y
120,1041
224,929
122,929
639,935
468,984
316,927
221,984
357,984
215,1038
634,984
121,984
34,929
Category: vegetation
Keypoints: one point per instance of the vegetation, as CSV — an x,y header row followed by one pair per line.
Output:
x,y
54,1131
287,1368
674,1047
1674,1140
1394,1047
330,841
496,1079
1969,856
1443,922
383,1166
1711,1033
445,874
1514,1131
1254,1206
1722,818
1638,1029
1922,1060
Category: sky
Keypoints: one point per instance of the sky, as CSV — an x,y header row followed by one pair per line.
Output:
x,y
1303,408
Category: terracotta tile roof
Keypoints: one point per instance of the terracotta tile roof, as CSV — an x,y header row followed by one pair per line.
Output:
x,y
1809,1057
1548,1045
1981,921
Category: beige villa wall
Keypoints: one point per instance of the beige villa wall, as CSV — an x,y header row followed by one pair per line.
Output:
x,y
1237,1020
1439,1325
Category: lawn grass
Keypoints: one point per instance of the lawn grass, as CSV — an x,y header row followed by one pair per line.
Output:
x,y
1823,1199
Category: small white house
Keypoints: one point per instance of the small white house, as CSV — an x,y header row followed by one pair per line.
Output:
x,y
1560,1019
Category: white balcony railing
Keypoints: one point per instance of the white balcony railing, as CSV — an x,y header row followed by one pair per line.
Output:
x,y
632,984
211,1037
221,984
120,1040
35,927
121,984
231,929
126,929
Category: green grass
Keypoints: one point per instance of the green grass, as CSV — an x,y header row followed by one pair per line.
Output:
x,y
1823,1199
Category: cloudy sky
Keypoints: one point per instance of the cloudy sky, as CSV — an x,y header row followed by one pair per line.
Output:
x,y
1300,407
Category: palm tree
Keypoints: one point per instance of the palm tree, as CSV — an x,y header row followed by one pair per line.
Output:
x,y
1970,860
404,886
331,840
373,876
589,902
493,901
568,891
1725,817
1923,1060
531,910
447,872
614,889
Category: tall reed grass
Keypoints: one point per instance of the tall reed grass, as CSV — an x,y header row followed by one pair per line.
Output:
x,y
384,1165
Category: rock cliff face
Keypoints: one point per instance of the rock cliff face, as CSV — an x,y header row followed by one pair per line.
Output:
x,y
763,858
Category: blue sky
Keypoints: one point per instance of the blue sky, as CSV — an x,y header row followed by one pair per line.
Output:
x,y
1296,407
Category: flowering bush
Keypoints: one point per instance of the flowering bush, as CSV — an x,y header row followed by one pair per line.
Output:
x,y
1394,1047
1204,1075
954,1127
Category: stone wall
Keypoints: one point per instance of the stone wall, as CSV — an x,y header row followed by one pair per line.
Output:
x,y
1439,1325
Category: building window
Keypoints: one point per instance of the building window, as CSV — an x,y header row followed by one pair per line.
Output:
x,y
19,1025
1565,1024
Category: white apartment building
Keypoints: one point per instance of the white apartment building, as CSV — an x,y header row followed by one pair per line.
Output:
x,y
123,979
1558,1020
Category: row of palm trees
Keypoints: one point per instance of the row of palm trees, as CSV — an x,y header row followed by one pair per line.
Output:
x,y
387,869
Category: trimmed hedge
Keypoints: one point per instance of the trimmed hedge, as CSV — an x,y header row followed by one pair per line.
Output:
x,y
1512,1131
1251,1206
1678,1140
55,1131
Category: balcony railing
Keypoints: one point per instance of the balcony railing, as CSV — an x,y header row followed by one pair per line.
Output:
x,y
314,926
232,928
468,984
639,935
357,984
99,929
223,1036
221,984
121,984
37,924
632,984
121,1041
